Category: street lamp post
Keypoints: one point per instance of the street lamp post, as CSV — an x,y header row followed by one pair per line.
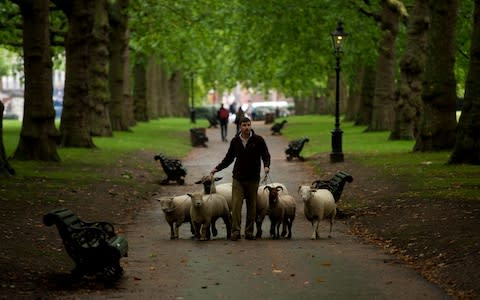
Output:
x,y
192,108
338,39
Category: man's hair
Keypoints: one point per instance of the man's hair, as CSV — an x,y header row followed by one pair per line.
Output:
x,y
245,120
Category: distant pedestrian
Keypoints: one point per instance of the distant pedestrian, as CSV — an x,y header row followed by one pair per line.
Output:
x,y
222,116
248,150
240,114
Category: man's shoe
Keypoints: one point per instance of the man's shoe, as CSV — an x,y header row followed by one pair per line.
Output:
x,y
235,237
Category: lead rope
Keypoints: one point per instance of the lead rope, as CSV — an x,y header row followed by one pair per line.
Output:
x,y
266,179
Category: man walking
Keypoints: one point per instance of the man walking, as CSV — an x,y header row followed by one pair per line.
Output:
x,y
248,150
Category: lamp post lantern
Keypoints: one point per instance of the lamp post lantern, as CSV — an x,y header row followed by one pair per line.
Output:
x,y
338,39
192,108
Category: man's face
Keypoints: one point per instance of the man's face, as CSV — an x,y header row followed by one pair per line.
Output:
x,y
246,127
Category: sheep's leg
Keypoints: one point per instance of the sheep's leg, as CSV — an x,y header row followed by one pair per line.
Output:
x,y
315,230
331,227
203,231
277,232
177,226
284,227
172,233
228,225
214,229
196,228
290,224
272,228
259,222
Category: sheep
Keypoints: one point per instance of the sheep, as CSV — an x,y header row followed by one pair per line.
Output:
x,y
177,212
262,205
282,209
224,189
205,210
319,204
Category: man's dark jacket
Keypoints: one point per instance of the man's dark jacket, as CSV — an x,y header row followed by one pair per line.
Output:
x,y
248,159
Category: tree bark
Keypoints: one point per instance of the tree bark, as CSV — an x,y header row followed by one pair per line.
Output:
x,y
155,88
118,48
467,144
140,91
98,88
38,136
408,97
364,115
75,127
354,96
382,113
438,120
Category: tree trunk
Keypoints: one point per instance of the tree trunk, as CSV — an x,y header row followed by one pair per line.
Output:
x,y
100,124
5,169
38,136
467,145
438,120
118,49
354,97
382,113
128,105
364,115
409,102
178,95
154,88
75,128
140,91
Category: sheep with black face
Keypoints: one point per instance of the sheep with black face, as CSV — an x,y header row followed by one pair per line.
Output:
x,y
281,211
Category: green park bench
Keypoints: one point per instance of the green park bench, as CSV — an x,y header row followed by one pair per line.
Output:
x,y
93,246
295,147
335,184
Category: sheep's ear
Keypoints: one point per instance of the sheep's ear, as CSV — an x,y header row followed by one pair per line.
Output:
x,y
218,178
189,195
266,188
198,182
299,187
279,187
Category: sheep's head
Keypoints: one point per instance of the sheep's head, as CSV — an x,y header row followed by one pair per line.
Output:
x,y
197,199
273,194
305,192
207,183
167,204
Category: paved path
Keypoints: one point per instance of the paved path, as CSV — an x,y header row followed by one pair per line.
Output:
x,y
337,268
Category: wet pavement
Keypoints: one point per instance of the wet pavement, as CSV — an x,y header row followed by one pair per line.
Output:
x,y
338,268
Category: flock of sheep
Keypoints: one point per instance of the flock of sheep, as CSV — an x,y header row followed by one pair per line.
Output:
x,y
202,209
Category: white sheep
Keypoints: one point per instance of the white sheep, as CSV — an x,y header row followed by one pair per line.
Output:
x,y
281,211
224,189
262,204
177,212
205,210
319,204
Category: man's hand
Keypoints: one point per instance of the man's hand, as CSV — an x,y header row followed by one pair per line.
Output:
x,y
266,170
